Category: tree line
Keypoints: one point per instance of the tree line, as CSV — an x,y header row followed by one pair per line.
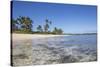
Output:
x,y
24,24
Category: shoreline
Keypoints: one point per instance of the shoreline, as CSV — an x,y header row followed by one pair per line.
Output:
x,y
32,36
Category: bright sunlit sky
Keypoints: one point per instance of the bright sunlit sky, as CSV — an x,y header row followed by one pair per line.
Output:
x,y
70,18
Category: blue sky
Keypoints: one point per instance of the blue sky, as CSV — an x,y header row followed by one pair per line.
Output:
x,y
70,18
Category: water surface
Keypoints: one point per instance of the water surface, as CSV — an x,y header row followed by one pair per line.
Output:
x,y
65,49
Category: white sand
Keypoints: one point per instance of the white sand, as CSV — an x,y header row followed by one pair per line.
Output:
x,y
32,36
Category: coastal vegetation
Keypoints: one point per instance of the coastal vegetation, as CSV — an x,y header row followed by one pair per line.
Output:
x,y
24,24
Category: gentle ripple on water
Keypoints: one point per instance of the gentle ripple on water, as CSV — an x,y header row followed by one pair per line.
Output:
x,y
65,49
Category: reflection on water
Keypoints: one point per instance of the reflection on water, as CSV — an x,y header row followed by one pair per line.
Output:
x,y
64,49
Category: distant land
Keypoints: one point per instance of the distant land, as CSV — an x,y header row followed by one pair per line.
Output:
x,y
80,34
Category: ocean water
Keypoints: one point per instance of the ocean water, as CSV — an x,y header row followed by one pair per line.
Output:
x,y
65,49
55,50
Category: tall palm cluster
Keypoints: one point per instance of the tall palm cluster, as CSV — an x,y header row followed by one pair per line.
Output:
x,y
25,24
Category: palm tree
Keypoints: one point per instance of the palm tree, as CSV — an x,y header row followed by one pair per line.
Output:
x,y
39,28
25,23
47,25
60,31
13,25
57,31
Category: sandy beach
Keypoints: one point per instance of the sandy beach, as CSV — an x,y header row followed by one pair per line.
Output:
x,y
32,36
